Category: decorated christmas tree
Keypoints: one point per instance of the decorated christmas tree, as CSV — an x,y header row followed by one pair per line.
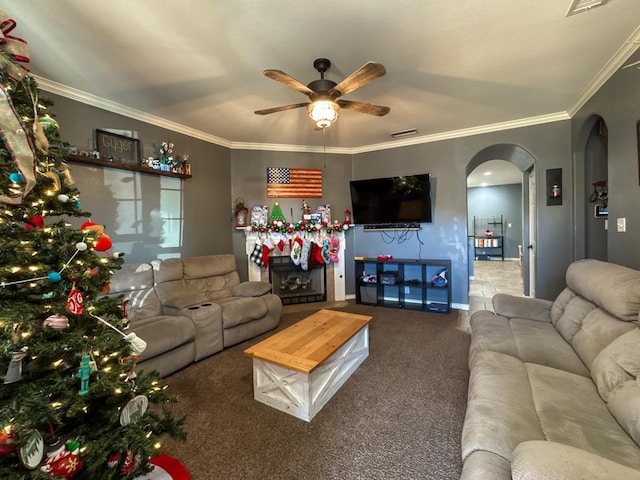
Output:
x,y
276,214
71,405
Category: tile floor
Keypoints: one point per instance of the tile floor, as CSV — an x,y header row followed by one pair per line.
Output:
x,y
491,277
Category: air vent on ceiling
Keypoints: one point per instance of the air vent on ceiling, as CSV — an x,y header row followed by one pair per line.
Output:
x,y
404,133
579,6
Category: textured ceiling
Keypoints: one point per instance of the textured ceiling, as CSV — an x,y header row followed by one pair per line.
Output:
x,y
453,66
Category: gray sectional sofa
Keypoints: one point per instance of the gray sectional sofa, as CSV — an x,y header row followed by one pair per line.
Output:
x,y
189,308
554,388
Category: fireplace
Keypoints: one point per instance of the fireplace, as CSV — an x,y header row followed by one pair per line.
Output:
x,y
334,273
293,284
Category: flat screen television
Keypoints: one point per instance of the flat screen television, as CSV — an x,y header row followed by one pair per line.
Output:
x,y
391,200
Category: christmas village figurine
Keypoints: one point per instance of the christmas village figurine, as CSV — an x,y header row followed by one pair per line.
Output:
x,y
306,212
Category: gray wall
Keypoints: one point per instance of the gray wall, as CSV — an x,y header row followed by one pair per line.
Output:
x,y
221,174
618,103
249,181
149,216
446,237
505,200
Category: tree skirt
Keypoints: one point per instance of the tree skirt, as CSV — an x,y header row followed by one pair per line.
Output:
x,y
166,468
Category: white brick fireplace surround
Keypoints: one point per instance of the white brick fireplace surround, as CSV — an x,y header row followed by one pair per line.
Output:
x,y
335,272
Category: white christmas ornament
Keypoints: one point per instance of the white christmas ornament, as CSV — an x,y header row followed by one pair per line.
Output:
x,y
63,198
137,344
81,246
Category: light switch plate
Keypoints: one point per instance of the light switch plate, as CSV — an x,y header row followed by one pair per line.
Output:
x,y
621,224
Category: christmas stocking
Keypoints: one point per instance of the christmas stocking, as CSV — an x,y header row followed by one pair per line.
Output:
x,y
256,254
304,254
267,246
318,254
325,252
280,244
334,247
313,255
296,250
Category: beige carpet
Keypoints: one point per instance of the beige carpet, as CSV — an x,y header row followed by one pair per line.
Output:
x,y
398,417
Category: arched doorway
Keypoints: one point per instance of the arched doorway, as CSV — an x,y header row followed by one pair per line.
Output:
x,y
591,212
524,161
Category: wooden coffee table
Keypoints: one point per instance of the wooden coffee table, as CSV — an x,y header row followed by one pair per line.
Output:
x,y
299,369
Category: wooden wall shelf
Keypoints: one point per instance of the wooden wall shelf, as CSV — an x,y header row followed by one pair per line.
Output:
x,y
123,166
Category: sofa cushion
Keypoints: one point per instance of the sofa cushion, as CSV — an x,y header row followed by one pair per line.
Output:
x,y
252,289
500,408
209,266
624,404
612,287
164,333
135,282
239,310
528,340
618,363
597,330
511,402
537,460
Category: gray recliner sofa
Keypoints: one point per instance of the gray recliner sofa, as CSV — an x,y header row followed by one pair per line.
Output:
x,y
187,309
554,388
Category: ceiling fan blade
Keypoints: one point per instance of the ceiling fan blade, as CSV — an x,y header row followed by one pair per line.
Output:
x,y
359,78
267,111
369,109
288,80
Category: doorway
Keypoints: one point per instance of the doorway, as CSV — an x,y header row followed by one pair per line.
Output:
x,y
495,211
521,164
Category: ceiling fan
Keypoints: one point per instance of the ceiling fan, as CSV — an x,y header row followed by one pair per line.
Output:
x,y
323,94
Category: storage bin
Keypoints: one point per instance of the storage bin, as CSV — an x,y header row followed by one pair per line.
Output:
x,y
388,278
368,294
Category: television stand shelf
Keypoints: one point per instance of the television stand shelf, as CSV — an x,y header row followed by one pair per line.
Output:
x,y
405,283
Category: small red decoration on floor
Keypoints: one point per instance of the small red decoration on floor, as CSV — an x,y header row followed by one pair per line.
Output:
x,y
166,468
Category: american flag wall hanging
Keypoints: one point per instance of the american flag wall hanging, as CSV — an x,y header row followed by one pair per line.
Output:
x,y
285,182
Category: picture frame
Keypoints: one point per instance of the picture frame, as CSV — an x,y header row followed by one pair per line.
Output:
x,y
117,148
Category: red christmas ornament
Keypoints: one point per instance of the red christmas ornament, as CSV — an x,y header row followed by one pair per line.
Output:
x,y
64,463
105,288
74,301
66,467
34,223
102,244
7,442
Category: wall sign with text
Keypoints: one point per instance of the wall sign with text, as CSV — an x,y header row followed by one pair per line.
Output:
x,y
117,148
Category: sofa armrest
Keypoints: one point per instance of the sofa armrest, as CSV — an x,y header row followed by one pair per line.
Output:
x,y
511,306
252,289
183,300
535,460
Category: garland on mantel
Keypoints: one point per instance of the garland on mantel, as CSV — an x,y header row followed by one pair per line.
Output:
x,y
287,227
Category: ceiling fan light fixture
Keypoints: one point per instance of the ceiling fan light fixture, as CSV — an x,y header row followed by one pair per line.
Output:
x,y
323,112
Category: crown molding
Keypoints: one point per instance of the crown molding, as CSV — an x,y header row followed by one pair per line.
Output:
x,y
95,101
624,52
99,102
466,132
275,147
